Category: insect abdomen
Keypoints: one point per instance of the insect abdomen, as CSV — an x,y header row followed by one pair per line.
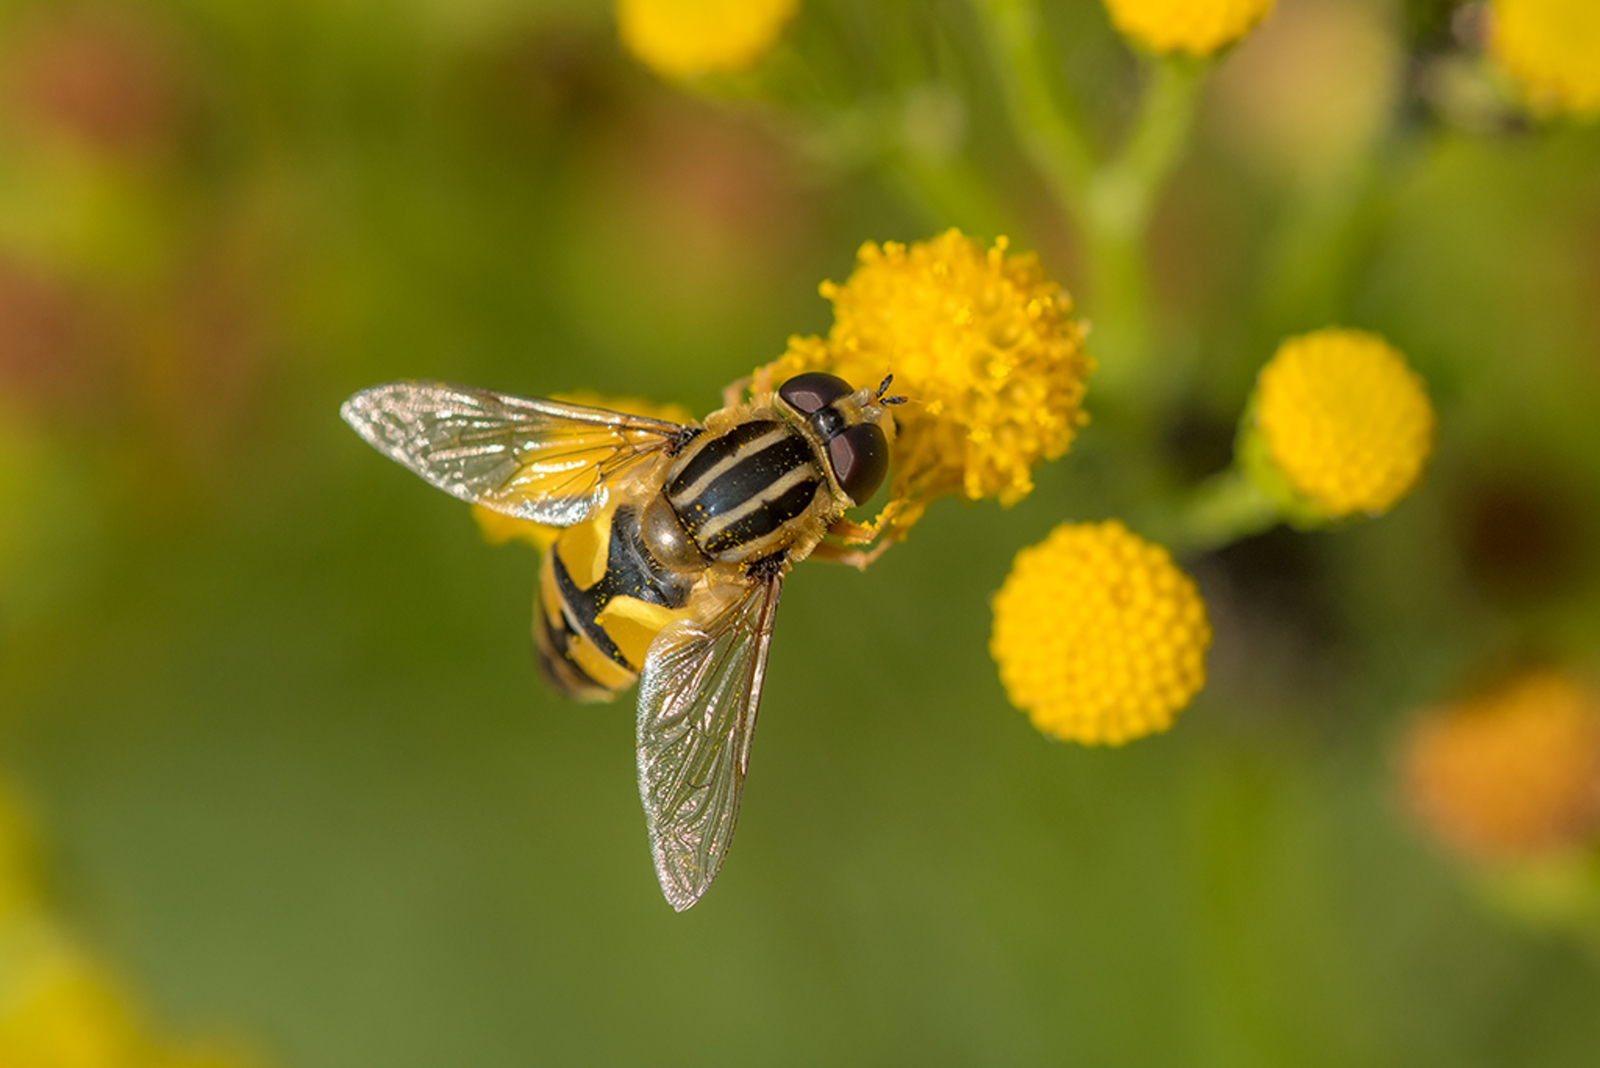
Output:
x,y
604,597
738,493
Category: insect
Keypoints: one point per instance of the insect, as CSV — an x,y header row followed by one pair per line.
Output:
x,y
676,541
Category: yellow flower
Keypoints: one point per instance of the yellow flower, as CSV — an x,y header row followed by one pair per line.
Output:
x,y
683,38
1551,48
56,1008
498,528
1511,772
59,1007
1198,27
983,344
1342,420
1099,637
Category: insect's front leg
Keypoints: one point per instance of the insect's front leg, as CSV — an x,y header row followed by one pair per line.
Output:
x,y
856,558
756,385
848,534
890,519
733,392
854,533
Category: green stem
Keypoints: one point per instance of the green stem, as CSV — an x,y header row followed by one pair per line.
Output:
x,y
1122,196
949,193
1222,510
1318,255
1123,192
1109,202
1051,136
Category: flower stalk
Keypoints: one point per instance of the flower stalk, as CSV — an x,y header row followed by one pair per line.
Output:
x,y
1107,199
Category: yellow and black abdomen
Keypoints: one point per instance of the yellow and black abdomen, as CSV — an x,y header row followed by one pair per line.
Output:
x,y
603,598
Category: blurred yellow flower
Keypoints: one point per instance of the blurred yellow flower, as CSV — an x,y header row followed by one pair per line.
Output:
x,y
58,1011
683,38
983,344
1512,772
1343,420
1551,48
59,1008
1198,27
1100,638
498,528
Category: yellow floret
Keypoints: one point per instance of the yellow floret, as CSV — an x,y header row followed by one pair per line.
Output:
x,y
1198,27
1098,635
1512,772
684,38
498,528
1551,48
1344,421
983,344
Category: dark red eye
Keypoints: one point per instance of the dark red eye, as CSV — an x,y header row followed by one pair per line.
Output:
x,y
859,458
813,391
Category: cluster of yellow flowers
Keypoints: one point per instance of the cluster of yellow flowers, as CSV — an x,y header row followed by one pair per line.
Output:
x,y
1099,636
685,38
1512,772
1547,48
59,1007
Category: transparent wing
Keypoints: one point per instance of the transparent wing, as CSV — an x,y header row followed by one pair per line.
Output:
x,y
531,459
697,714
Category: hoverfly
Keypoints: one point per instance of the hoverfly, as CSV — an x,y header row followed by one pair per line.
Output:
x,y
676,540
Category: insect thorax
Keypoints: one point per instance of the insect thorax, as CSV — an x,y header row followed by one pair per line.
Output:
x,y
746,493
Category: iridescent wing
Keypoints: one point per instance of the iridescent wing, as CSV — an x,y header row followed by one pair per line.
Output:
x,y
542,460
697,713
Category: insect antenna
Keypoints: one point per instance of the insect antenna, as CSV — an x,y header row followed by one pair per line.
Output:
x,y
883,388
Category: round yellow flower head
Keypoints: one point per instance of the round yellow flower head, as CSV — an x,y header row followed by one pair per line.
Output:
x,y
1343,420
1551,49
982,343
1512,772
498,528
1198,27
683,38
1099,637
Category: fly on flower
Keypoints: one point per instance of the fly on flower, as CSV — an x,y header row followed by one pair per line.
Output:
x,y
676,540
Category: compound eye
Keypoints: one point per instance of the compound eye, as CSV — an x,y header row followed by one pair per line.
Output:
x,y
813,391
859,458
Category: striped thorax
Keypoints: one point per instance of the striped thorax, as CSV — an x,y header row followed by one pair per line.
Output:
x,y
739,494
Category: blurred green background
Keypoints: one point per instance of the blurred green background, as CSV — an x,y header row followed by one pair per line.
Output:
x,y
272,703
